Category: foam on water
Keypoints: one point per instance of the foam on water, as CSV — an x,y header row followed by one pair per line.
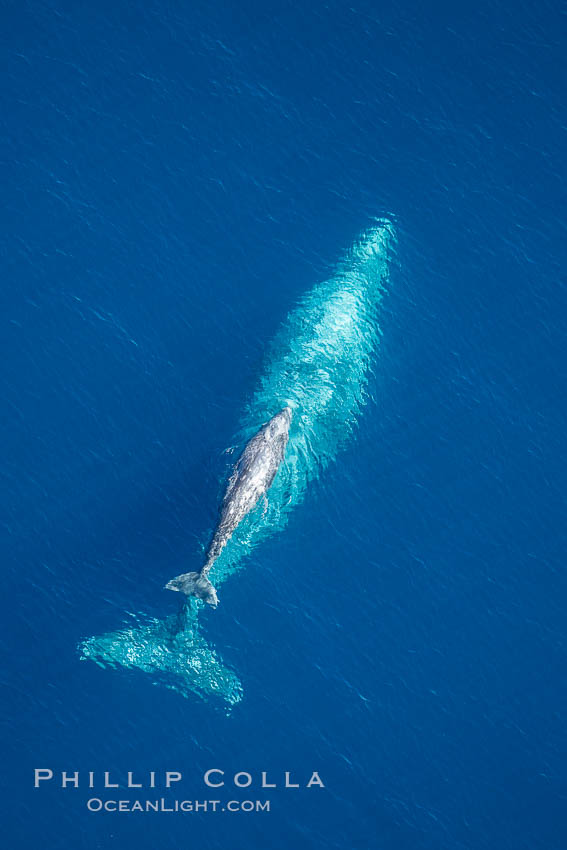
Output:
x,y
318,363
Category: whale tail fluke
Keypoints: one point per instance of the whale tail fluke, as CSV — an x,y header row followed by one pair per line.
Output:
x,y
173,652
194,584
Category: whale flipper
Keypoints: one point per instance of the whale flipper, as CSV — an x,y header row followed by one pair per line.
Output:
x,y
194,584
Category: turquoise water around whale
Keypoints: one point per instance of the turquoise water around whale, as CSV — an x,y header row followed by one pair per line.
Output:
x,y
211,210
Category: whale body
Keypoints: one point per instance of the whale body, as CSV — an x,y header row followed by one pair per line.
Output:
x,y
253,475
318,365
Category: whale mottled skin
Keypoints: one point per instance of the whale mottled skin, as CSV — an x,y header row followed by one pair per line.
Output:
x,y
252,477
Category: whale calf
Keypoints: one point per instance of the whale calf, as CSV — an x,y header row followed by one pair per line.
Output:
x,y
253,475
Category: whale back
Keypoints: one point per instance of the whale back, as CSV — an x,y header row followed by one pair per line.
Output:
x,y
253,475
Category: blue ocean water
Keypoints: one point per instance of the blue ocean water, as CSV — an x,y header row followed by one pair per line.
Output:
x,y
178,180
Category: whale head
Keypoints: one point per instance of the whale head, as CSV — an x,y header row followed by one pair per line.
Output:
x,y
279,424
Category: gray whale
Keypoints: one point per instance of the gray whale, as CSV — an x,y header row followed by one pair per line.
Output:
x,y
253,475
319,363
